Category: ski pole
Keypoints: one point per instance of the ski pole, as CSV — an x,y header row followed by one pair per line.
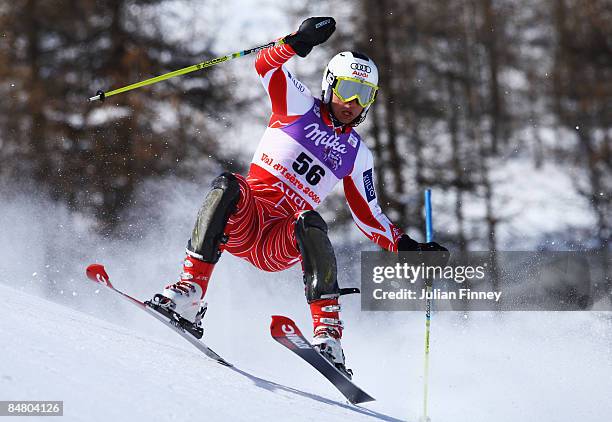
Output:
x,y
101,95
428,282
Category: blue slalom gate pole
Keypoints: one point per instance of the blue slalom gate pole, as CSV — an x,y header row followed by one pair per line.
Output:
x,y
429,237
428,221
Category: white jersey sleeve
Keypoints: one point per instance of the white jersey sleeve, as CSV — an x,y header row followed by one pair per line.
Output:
x,y
361,197
289,97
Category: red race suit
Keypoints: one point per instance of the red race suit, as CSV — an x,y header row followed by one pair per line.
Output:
x,y
299,160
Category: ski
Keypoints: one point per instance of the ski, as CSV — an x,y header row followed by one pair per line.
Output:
x,y
288,334
97,273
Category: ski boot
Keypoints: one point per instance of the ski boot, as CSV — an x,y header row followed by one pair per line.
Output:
x,y
331,349
328,332
182,302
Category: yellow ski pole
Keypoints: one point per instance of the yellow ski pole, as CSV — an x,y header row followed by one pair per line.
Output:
x,y
101,95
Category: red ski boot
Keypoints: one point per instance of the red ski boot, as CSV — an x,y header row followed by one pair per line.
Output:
x,y
328,332
185,297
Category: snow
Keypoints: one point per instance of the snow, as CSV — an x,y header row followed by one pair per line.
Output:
x,y
514,367
532,203
533,190
109,361
104,371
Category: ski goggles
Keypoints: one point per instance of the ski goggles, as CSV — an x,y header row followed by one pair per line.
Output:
x,y
348,89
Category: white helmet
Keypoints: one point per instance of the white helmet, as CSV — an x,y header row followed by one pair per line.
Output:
x,y
351,75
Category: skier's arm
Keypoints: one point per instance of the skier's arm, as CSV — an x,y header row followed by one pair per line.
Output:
x,y
361,197
289,97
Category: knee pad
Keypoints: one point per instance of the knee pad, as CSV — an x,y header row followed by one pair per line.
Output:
x,y
208,232
318,258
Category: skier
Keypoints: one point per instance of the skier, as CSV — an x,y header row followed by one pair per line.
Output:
x,y
269,217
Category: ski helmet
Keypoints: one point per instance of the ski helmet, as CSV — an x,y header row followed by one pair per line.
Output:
x,y
351,75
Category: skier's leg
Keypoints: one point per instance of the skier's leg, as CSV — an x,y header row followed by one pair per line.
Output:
x,y
208,231
321,285
203,249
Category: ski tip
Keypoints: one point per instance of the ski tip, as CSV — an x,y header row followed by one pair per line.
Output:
x,y
97,273
281,318
281,326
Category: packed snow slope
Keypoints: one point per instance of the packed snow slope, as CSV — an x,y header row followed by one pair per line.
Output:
x,y
103,371
548,369
66,338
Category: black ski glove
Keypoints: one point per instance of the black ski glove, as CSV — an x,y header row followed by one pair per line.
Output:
x,y
313,31
406,244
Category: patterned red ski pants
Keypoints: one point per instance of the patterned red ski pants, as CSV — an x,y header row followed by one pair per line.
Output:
x,y
262,230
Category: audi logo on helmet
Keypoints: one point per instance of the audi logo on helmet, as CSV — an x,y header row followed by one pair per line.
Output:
x,y
361,67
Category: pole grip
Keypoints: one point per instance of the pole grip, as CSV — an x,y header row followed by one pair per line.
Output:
x,y
99,96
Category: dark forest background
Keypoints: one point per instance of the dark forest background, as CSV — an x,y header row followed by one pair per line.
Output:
x,y
466,86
